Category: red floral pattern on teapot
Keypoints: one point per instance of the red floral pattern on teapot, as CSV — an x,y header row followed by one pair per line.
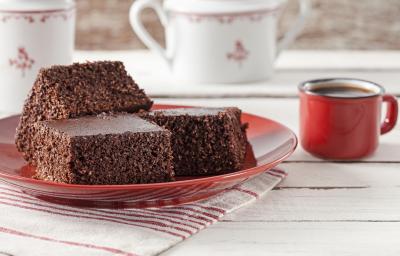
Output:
x,y
23,61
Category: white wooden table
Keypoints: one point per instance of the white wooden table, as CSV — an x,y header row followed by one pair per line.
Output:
x,y
322,208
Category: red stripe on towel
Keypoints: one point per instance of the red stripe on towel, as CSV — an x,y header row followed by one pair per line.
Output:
x,y
132,213
148,217
172,216
282,174
209,208
182,213
48,239
279,171
149,222
201,221
207,214
93,218
275,175
246,191
176,214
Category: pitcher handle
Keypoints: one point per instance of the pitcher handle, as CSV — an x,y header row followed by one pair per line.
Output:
x,y
297,27
134,17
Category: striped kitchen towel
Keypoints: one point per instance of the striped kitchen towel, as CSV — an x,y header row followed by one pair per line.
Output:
x,y
29,226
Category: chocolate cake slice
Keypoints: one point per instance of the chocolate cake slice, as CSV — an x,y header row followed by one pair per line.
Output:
x,y
204,140
103,149
62,92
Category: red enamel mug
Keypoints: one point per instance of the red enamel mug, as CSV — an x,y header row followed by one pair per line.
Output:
x,y
340,118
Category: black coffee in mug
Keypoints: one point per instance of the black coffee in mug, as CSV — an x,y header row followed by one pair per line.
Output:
x,y
342,90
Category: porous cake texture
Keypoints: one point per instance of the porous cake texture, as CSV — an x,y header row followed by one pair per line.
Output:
x,y
204,140
62,92
103,149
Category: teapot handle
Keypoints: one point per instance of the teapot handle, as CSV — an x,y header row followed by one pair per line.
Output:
x,y
297,27
134,17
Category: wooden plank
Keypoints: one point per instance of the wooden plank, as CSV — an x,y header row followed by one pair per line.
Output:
x,y
330,192
341,175
300,239
292,68
316,205
286,112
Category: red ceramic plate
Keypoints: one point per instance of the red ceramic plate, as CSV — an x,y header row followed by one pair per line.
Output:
x,y
270,144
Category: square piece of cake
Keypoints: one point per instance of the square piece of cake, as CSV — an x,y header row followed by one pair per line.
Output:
x,y
62,92
103,149
205,141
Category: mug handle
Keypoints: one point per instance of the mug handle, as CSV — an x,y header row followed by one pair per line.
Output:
x,y
297,27
134,17
391,116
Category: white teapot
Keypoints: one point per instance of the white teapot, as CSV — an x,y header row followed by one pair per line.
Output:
x,y
221,41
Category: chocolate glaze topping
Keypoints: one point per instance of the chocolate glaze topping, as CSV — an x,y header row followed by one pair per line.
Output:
x,y
94,125
189,111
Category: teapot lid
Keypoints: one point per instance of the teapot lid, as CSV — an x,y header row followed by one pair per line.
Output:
x,y
37,5
221,6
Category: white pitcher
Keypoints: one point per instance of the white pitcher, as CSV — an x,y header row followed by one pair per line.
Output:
x,y
34,34
222,41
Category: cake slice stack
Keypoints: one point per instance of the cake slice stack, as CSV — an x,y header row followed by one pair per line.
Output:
x,y
62,92
79,126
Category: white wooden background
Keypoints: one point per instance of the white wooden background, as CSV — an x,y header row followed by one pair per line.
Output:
x,y
322,208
